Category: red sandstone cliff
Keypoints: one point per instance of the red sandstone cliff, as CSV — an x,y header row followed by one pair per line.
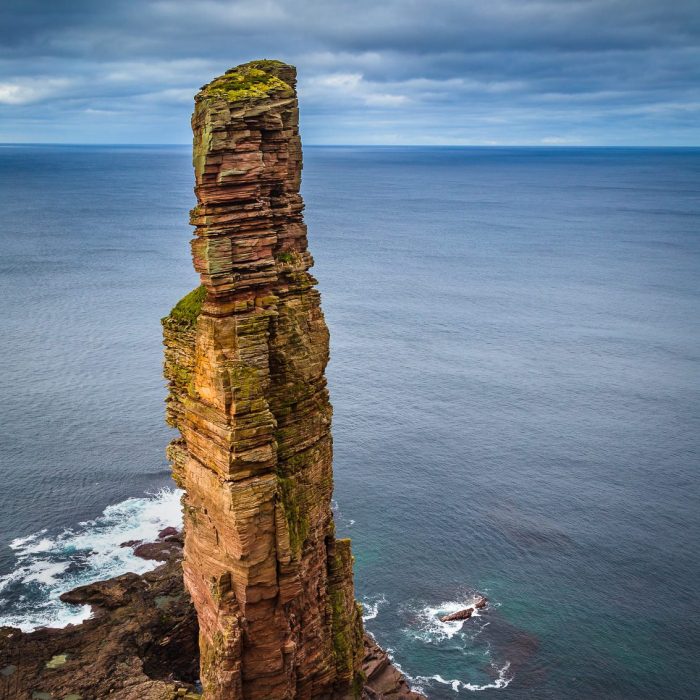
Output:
x,y
245,356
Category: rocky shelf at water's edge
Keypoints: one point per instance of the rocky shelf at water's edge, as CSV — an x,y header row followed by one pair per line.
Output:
x,y
140,644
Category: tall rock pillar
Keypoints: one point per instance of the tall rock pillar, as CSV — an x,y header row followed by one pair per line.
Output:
x,y
245,359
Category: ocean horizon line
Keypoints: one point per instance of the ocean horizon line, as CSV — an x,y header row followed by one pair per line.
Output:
x,y
553,146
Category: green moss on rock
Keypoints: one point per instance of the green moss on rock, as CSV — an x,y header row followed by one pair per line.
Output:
x,y
342,648
346,615
297,519
186,311
249,81
358,683
57,661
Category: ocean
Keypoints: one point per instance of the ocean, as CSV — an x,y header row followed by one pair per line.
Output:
x,y
515,374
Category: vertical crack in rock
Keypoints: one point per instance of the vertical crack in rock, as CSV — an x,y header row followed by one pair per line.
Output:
x,y
245,359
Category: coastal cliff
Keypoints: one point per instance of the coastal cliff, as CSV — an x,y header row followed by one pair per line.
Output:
x,y
267,610
245,358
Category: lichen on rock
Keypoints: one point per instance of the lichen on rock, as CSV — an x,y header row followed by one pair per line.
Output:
x,y
250,81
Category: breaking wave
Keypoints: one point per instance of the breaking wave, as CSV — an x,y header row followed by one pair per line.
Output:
x,y
47,566
426,628
371,605
501,681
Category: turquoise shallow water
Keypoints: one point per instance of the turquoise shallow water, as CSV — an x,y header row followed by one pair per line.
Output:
x,y
515,375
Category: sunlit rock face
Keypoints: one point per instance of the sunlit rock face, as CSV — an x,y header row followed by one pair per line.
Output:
x,y
245,360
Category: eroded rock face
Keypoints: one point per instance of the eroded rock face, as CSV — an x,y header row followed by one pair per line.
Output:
x,y
274,613
245,359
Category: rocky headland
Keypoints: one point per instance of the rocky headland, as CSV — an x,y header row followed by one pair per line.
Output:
x,y
267,610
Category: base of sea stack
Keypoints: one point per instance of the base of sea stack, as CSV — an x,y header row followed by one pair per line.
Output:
x,y
140,644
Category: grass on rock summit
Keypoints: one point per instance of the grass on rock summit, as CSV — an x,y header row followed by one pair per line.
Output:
x,y
249,81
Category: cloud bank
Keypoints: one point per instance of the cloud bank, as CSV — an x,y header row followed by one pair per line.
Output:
x,y
557,72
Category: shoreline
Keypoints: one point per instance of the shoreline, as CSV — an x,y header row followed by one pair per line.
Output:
x,y
139,643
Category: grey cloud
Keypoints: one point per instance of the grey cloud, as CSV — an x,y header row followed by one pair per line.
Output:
x,y
599,71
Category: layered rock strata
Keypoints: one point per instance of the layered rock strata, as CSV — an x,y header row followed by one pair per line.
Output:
x,y
274,614
245,359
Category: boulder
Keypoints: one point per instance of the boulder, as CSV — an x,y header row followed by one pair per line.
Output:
x,y
459,615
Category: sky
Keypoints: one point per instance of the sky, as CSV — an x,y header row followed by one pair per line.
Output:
x,y
429,72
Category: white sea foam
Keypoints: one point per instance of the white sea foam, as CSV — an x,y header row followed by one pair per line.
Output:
x,y
340,519
44,573
429,627
416,683
371,605
48,566
426,628
501,681
21,541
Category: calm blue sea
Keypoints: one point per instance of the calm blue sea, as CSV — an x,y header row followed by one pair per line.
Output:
x,y
516,380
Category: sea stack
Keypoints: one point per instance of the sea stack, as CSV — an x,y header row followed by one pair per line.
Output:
x,y
245,359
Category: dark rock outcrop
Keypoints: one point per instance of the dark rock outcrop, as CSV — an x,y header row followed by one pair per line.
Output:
x,y
381,678
459,615
466,613
140,644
